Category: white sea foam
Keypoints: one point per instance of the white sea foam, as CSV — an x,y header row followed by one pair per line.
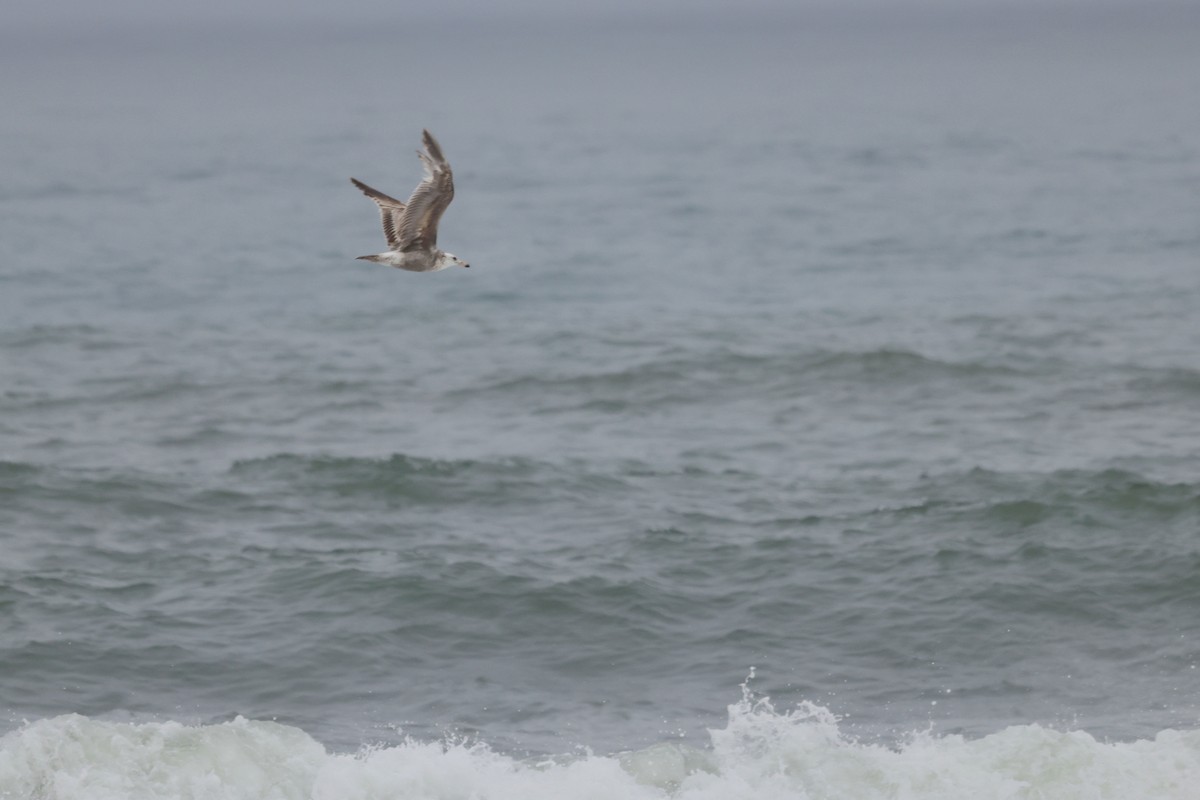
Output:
x,y
761,754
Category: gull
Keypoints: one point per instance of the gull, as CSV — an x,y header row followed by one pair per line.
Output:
x,y
411,228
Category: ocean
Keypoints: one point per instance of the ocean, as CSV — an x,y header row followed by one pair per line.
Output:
x,y
819,418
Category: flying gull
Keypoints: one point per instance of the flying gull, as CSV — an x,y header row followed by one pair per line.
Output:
x,y
411,228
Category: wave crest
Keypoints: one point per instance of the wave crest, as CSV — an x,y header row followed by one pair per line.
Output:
x,y
761,753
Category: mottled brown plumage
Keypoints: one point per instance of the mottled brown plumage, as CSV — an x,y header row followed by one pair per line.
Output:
x,y
411,228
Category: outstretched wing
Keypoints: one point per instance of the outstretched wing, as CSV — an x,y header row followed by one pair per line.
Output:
x,y
417,226
390,212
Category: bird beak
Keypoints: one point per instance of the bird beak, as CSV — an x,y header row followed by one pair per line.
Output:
x,y
466,265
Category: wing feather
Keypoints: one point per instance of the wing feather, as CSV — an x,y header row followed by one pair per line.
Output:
x,y
390,212
417,225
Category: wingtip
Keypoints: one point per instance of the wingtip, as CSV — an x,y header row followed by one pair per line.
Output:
x,y
431,145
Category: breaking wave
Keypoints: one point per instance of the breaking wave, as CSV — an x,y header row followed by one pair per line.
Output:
x,y
760,753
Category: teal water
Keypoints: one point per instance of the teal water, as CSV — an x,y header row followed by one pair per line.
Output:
x,y
856,367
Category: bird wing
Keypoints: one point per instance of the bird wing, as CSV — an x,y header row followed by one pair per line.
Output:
x,y
417,226
390,212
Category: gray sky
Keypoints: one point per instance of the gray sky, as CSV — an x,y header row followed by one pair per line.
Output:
x,y
80,16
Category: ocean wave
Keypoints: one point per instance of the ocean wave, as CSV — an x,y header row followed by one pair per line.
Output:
x,y
387,472
761,753
407,479
722,373
996,500
394,468
39,481
17,470
37,335
1030,497
1168,381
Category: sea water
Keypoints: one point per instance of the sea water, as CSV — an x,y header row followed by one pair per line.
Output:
x,y
820,416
